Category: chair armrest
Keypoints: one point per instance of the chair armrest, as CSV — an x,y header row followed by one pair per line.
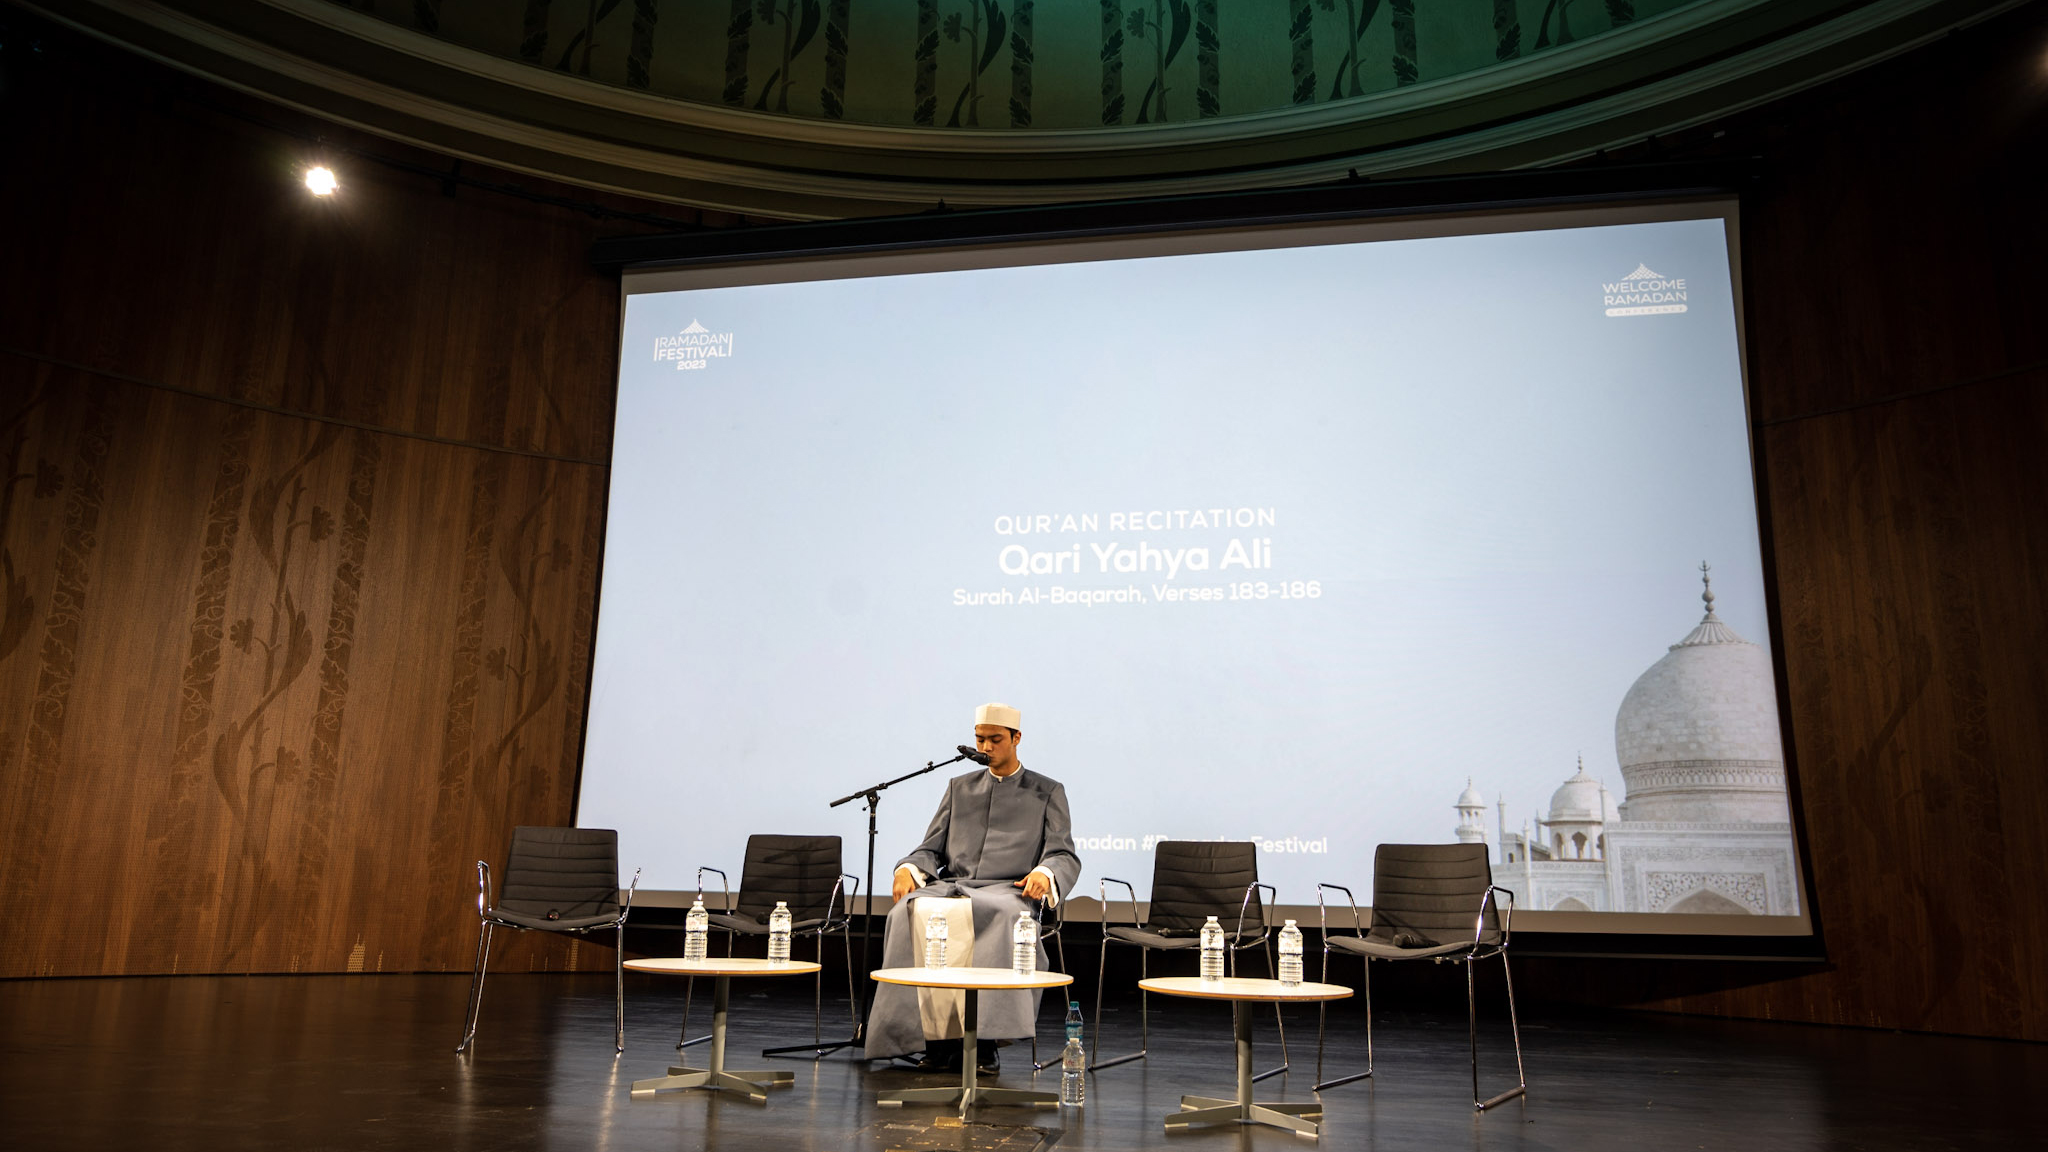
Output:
x,y
1050,920
724,885
1323,913
833,921
1102,893
1507,919
626,905
483,889
1272,894
845,891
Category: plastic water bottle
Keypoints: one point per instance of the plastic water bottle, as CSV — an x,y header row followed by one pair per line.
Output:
x,y
1024,945
696,931
1212,950
935,941
1290,955
1073,1062
778,934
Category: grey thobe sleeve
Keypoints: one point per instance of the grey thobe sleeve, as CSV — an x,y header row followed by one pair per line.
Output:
x,y
929,857
1058,856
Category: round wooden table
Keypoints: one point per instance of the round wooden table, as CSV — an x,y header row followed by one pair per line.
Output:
x,y
1243,992
753,1085
972,981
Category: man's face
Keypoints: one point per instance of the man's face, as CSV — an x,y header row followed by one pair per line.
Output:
x,y
999,744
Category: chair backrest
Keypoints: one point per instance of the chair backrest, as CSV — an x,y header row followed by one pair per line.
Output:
x,y
1432,891
568,871
1193,880
799,870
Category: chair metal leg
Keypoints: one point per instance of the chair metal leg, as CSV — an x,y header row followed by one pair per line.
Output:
x,y
1472,1031
1144,1002
1144,1030
818,996
1285,1063
1366,979
619,991
819,1047
476,984
1038,1065
689,995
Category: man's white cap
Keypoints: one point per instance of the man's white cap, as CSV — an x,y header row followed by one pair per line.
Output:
x,y
1000,715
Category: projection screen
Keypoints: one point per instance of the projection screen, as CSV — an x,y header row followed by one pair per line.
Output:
x,y
1322,536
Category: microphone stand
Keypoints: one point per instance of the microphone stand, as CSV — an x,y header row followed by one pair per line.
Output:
x,y
873,796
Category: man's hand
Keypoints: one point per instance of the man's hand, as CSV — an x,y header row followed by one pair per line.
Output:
x,y
906,882
1035,885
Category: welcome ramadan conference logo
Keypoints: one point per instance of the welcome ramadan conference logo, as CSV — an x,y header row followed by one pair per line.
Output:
x,y
694,347
1644,293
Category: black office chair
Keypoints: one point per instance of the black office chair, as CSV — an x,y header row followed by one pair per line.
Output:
x,y
556,880
802,872
1429,902
1192,880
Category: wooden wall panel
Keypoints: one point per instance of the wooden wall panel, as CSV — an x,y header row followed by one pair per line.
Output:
x,y
269,661
207,267
301,549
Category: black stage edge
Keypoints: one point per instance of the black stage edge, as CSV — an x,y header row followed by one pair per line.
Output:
x,y
1360,199
364,1063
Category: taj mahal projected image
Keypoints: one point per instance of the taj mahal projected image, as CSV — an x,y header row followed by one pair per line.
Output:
x,y
1702,824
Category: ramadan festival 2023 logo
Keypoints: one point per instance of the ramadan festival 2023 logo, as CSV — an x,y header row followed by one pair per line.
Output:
x,y
1644,293
694,347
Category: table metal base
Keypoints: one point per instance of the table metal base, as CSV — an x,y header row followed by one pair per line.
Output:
x,y
968,1093
1245,1110
753,1084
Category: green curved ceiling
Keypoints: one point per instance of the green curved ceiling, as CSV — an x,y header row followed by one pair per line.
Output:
x,y
810,108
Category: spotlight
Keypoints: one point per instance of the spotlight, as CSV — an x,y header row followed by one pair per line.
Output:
x,y
320,181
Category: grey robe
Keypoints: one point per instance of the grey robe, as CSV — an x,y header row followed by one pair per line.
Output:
x,y
986,835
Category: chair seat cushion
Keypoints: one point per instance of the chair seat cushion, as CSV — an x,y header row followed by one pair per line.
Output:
x,y
1166,941
748,926
1383,949
543,924
1151,939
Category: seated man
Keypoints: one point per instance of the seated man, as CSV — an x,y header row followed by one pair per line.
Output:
x,y
1000,842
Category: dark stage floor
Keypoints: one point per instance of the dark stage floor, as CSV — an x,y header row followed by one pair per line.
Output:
x,y
366,1062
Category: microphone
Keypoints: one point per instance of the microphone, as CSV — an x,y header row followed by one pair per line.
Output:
x,y
971,754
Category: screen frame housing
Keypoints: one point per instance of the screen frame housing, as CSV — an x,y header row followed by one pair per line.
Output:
x,y
943,239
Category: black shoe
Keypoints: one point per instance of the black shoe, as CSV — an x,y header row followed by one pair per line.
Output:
x,y
940,1056
986,1062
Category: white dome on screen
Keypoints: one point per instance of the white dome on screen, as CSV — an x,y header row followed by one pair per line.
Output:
x,y
1577,799
1470,797
1697,735
1704,828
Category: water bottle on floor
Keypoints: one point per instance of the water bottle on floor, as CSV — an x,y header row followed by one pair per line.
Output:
x,y
1073,1061
696,931
778,933
935,941
1212,950
1024,945
1290,955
